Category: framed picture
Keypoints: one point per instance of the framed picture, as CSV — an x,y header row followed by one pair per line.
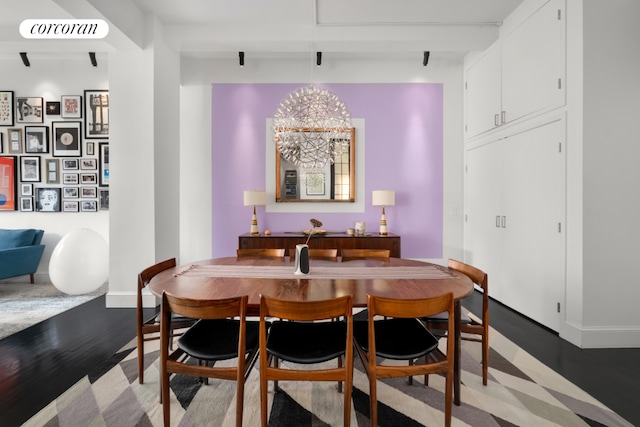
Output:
x,y
104,200
66,139
88,164
71,107
88,178
53,171
8,183
104,164
26,204
69,206
70,192
89,192
6,108
15,140
96,114
53,108
29,110
48,199
26,189
89,206
36,139
90,149
30,168
70,178
1,142
70,164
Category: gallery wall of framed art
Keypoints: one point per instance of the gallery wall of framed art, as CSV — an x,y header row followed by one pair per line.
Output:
x,y
54,153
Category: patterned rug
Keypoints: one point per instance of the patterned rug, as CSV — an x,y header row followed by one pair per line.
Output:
x,y
23,304
521,392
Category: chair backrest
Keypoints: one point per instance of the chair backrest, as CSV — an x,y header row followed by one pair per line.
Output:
x,y
145,276
478,277
304,311
262,253
205,308
353,254
410,308
314,253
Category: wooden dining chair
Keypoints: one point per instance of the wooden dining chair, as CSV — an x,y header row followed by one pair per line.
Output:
x,y
306,333
400,335
354,254
262,253
223,333
472,328
148,328
314,253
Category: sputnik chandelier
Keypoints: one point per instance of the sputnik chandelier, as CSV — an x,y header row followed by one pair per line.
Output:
x,y
311,127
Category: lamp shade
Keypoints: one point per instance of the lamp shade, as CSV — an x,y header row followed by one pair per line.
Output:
x,y
255,198
383,198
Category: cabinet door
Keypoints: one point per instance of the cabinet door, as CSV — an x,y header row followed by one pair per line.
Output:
x,y
533,196
482,92
483,200
533,58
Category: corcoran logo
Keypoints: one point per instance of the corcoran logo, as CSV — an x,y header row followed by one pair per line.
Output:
x,y
64,29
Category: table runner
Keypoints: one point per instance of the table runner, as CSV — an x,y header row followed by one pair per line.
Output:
x,y
317,272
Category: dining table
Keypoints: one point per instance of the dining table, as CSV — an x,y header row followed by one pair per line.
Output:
x,y
401,278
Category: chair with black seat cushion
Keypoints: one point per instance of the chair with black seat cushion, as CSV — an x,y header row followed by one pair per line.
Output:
x,y
472,328
400,335
222,333
261,253
354,254
307,333
148,329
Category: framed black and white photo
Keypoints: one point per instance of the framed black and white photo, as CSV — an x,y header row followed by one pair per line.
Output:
x,y
29,110
69,206
36,139
104,200
104,164
6,108
66,139
48,199
71,107
96,114
70,192
89,192
90,148
88,178
70,178
53,108
26,189
89,205
53,171
26,204
14,143
88,164
70,164
30,168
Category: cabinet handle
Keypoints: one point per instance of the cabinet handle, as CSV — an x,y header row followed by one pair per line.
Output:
x,y
503,117
498,221
504,222
496,120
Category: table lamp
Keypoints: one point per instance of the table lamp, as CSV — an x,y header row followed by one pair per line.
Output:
x,y
383,198
255,198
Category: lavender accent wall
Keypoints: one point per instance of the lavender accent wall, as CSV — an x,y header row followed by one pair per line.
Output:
x,y
403,125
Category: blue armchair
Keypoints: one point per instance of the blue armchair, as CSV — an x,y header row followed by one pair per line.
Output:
x,y
20,252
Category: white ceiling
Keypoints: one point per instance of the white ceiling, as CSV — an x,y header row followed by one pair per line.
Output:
x,y
268,28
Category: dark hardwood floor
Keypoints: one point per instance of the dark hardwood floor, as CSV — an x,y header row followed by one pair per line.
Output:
x,y
41,362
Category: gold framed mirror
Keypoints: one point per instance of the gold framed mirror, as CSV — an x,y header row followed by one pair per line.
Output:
x,y
334,183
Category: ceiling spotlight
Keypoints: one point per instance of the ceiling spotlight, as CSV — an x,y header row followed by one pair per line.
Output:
x,y
25,60
92,56
425,60
318,58
241,58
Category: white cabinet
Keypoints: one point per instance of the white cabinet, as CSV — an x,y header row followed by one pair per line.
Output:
x,y
514,228
520,75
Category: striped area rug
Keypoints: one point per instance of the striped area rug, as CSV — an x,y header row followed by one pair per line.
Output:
x,y
521,392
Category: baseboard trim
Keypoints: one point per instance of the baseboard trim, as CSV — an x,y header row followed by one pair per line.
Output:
x,y
601,337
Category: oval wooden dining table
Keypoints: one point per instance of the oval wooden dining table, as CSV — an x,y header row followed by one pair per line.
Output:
x,y
396,278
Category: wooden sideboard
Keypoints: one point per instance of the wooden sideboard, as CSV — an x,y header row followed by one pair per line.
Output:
x,y
328,241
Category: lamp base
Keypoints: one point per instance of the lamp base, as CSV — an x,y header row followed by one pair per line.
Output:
x,y
383,224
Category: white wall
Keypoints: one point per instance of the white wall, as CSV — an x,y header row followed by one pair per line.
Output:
x,y
51,76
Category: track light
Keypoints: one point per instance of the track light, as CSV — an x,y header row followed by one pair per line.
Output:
x,y
92,56
25,60
425,60
241,58
318,58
